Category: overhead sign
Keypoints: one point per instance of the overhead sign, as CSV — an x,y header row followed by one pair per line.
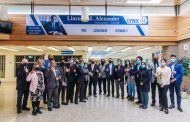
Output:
x,y
67,52
97,25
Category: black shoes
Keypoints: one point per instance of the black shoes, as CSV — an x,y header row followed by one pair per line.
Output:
x,y
95,95
82,101
39,111
171,106
141,106
25,109
180,109
166,111
132,98
117,97
104,94
49,109
45,102
56,107
113,95
138,102
153,104
108,95
162,108
76,102
122,97
144,107
65,103
34,113
19,111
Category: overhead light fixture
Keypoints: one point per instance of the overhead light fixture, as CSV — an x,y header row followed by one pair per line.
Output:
x,y
72,49
108,49
10,49
74,1
84,14
54,49
144,49
89,49
125,49
143,1
33,48
117,1
3,12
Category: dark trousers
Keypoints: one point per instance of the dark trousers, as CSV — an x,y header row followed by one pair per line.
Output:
x,y
138,89
100,81
144,98
62,92
70,91
177,87
153,90
22,102
45,94
110,80
52,94
77,88
81,91
35,105
121,85
85,88
164,99
93,81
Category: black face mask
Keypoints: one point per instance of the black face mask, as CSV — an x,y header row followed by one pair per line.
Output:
x,y
92,62
50,59
37,68
62,63
103,62
24,64
110,62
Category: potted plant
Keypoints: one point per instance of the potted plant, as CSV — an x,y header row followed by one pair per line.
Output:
x,y
184,90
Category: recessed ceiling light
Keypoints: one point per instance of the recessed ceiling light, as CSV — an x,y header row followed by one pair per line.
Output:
x,y
10,49
72,49
144,49
74,0
143,1
108,49
53,48
33,48
125,49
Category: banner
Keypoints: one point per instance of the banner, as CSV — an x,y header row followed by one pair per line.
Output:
x,y
97,25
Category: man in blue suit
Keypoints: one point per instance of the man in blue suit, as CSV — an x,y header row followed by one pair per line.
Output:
x,y
137,70
176,80
119,77
110,69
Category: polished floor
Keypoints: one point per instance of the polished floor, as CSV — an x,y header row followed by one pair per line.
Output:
x,y
100,109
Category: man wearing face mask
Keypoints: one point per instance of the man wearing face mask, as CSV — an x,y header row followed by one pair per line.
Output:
x,y
175,82
137,70
62,83
110,69
93,72
119,77
102,76
47,62
22,86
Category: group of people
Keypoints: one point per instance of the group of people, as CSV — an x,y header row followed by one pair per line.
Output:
x,y
72,82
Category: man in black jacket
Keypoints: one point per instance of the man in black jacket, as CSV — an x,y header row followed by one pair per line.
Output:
x,y
22,86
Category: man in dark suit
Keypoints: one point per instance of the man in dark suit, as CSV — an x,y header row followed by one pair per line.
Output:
x,y
53,27
119,77
137,70
53,76
22,86
93,71
176,80
110,69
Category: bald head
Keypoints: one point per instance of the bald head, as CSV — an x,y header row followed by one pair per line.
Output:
x,y
24,61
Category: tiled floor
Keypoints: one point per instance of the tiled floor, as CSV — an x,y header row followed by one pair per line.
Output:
x,y
100,109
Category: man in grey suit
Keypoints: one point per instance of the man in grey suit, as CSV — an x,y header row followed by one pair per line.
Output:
x,y
53,76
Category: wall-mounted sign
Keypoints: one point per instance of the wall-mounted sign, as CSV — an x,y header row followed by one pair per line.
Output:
x,y
186,47
67,52
97,25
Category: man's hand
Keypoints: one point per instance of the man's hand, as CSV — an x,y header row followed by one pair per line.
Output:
x,y
141,84
173,80
57,78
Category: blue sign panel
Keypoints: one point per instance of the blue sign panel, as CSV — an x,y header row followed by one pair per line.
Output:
x,y
67,52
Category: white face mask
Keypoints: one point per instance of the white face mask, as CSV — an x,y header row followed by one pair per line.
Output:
x,y
173,60
163,64
118,62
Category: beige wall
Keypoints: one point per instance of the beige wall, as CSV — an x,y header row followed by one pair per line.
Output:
x,y
10,61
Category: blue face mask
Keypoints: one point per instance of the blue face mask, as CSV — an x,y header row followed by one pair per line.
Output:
x,y
82,65
85,66
138,62
143,66
173,60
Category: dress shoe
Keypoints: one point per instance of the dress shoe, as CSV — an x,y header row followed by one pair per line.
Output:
x,y
108,95
144,107
100,93
45,102
76,102
127,96
95,95
122,97
113,95
86,98
180,109
65,103
56,107
171,106
82,101
141,106
34,113
104,94
38,111
153,104
117,97
132,99
49,109
138,102
162,108
71,101
19,111
89,95
25,109
166,111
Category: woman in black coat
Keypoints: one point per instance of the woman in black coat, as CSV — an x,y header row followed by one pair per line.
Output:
x,y
144,85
